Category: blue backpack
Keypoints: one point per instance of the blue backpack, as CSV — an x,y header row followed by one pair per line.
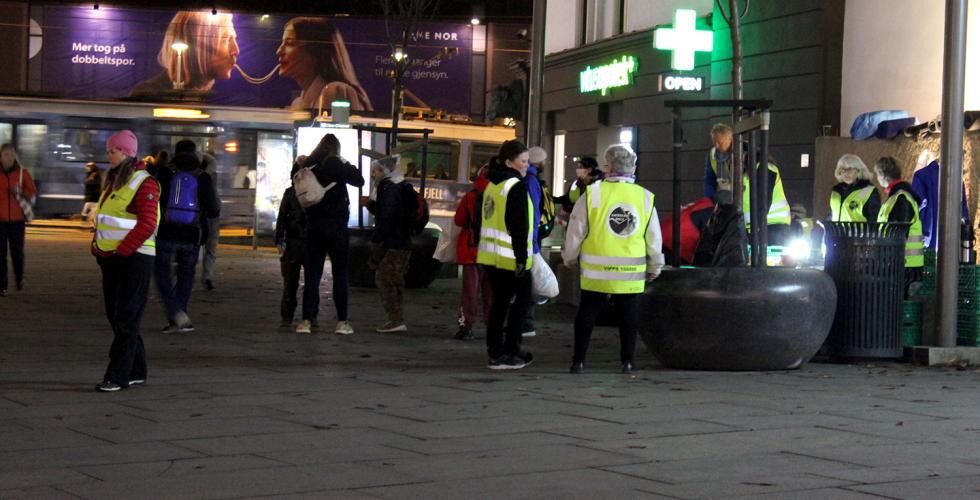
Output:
x,y
182,206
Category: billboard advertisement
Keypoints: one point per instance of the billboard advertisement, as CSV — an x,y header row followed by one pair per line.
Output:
x,y
246,59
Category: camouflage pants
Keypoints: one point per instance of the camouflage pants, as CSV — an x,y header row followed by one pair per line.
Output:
x,y
390,280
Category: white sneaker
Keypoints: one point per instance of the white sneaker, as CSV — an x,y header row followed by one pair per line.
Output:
x,y
392,327
531,333
304,327
344,328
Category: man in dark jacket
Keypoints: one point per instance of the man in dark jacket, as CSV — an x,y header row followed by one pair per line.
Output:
x,y
326,233
291,242
392,239
180,237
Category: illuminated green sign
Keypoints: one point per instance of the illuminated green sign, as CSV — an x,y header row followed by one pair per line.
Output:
x,y
618,73
684,39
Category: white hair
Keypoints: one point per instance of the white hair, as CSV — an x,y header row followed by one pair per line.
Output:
x,y
537,155
620,159
852,162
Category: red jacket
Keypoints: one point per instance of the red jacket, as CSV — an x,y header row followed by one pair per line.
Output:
x,y
9,208
144,206
690,234
469,242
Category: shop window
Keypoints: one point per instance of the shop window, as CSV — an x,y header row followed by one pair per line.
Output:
x,y
6,133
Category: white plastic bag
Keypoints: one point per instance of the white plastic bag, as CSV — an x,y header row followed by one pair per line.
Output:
x,y
446,247
543,281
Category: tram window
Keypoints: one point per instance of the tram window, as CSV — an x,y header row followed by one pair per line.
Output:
x,y
479,156
6,133
83,145
31,140
443,158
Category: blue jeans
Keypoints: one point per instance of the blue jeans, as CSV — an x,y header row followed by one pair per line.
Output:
x,y
175,298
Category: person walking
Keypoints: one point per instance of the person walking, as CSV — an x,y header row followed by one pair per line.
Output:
x,y
327,234
291,242
17,196
124,247
854,198
188,204
210,247
902,205
93,188
391,242
505,252
475,283
614,237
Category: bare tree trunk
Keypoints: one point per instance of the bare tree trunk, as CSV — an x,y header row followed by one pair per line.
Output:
x,y
734,23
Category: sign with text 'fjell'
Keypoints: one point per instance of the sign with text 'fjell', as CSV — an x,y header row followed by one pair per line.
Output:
x,y
684,39
618,73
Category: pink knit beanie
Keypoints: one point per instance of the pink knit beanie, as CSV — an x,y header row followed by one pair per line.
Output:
x,y
125,141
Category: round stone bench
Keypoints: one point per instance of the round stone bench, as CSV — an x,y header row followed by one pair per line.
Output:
x,y
422,268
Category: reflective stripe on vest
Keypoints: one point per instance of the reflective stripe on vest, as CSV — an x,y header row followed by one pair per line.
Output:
x,y
613,258
914,245
496,246
851,209
779,210
113,220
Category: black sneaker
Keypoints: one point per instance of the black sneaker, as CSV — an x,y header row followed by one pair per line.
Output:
x,y
525,356
3,292
209,285
506,362
108,386
629,367
578,367
464,333
20,285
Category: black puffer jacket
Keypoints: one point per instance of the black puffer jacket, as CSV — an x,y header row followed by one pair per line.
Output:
x,y
291,222
391,226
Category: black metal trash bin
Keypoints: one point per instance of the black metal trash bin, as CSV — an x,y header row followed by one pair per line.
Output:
x,y
866,260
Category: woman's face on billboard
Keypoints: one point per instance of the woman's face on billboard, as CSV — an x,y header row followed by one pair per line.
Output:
x,y
295,60
225,53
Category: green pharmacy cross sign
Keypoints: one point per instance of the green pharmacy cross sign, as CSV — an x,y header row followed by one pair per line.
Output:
x,y
618,73
684,39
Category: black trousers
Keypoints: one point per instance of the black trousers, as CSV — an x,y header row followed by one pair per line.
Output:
x,y
125,284
326,237
291,263
505,287
12,235
626,312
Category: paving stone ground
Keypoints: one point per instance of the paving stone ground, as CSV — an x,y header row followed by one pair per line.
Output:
x,y
242,409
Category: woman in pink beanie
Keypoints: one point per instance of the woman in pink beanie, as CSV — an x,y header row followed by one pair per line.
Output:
x,y
125,246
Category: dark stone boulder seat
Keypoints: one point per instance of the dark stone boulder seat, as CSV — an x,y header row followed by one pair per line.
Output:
x,y
737,318
422,268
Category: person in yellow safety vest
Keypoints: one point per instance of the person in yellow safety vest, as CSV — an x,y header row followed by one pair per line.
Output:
x,y
586,172
718,164
779,216
614,238
505,252
125,247
902,205
854,198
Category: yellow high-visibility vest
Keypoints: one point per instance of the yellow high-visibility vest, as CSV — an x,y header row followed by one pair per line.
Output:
x,y
915,244
614,256
114,222
851,208
496,247
779,212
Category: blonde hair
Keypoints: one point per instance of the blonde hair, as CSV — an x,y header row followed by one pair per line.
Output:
x,y
852,162
202,32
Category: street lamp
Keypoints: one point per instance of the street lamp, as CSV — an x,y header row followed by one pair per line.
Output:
x,y
180,47
399,55
475,21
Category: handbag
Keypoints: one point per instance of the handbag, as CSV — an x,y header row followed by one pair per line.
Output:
x,y
26,206
544,284
446,247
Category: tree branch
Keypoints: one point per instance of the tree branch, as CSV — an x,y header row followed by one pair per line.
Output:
x,y
746,11
722,10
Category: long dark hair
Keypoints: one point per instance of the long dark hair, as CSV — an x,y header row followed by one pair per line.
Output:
x,y
328,146
122,172
323,41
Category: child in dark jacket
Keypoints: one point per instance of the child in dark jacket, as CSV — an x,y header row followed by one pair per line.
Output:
x,y
291,242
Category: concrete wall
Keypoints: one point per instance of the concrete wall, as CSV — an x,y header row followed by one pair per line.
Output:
x,y
644,14
893,58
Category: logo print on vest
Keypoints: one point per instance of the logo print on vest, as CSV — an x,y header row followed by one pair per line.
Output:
x,y
488,208
852,205
623,221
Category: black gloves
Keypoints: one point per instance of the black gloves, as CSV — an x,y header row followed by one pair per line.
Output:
x,y
519,270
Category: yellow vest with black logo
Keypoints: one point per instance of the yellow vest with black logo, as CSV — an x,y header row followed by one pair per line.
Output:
x,y
114,222
779,212
496,246
851,209
914,245
614,254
